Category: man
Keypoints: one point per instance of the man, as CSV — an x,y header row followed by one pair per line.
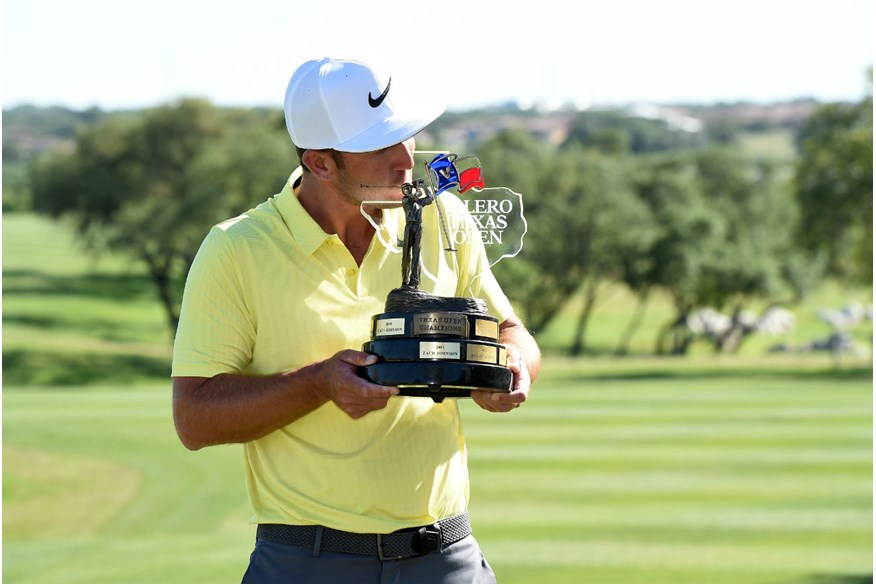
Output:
x,y
347,482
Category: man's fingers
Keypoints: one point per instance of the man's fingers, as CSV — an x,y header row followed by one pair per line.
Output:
x,y
498,401
357,358
355,395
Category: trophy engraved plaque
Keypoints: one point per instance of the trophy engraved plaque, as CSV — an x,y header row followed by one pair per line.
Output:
x,y
437,346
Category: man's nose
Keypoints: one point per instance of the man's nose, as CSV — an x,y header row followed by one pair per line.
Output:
x,y
405,153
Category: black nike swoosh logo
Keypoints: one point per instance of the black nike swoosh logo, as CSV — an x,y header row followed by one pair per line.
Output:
x,y
376,102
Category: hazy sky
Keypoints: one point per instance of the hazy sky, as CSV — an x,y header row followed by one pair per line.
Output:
x,y
118,54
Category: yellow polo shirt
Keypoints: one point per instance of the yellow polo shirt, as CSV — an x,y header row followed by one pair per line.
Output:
x,y
268,292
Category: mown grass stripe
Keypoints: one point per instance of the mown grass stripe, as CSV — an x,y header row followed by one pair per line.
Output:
x,y
729,558
717,516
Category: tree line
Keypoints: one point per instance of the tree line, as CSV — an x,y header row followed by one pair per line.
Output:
x,y
621,200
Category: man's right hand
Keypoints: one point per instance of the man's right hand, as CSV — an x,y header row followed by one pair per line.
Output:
x,y
343,386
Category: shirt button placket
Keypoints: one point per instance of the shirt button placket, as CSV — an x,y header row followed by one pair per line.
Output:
x,y
353,279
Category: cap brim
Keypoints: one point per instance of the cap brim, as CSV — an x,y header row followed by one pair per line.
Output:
x,y
393,130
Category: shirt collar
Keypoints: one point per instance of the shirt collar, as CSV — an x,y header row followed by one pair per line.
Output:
x,y
305,231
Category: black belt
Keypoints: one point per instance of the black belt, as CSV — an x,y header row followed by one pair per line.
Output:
x,y
405,543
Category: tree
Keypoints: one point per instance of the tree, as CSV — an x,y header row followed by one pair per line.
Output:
x,y
150,186
27,131
834,185
615,132
687,235
726,228
601,222
753,259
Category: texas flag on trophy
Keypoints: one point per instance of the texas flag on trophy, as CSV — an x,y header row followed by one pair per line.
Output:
x,y
448,170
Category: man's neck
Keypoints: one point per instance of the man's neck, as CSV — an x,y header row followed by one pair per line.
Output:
x,y
336,214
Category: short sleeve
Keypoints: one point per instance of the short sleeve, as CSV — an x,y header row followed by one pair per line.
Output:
x,y
216,331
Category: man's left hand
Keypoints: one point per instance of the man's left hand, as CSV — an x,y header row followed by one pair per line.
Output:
x,y
494,401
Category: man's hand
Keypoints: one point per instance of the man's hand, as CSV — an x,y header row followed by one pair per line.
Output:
x,y
354,395
494,401
524,360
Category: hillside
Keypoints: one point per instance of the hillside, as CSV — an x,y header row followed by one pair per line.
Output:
x,y
30,130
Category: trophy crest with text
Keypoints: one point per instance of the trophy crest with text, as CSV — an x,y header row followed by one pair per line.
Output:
x,y
439,346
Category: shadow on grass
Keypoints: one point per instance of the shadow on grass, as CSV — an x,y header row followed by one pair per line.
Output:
x,y
114,286
34,368
617,373
97,328
838,579
40,322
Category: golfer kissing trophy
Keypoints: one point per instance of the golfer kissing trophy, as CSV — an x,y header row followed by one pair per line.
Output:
x,y
438,346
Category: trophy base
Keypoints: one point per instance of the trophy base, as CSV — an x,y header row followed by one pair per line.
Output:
x,y
438,379
436,346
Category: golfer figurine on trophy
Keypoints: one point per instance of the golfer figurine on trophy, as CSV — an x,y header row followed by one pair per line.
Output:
x,y
438,346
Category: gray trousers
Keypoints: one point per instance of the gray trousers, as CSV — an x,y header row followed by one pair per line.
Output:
x,y
277,563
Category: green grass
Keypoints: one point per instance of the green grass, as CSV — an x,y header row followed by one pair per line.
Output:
x,y
773,145
71,318
685,479
725,470
98,489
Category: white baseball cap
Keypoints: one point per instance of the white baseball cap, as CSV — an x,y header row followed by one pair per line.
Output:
x,y
343,105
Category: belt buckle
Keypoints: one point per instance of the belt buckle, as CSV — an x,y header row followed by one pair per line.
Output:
x,y
380,555
428,540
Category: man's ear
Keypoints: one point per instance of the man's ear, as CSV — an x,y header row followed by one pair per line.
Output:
x,y
320,163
